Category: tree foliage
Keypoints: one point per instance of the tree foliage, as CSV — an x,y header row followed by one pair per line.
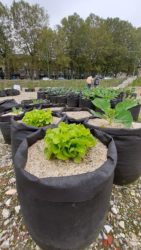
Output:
x,y
76,48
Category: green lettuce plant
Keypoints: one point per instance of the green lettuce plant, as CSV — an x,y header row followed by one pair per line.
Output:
x,y
38,118
68,141
119,115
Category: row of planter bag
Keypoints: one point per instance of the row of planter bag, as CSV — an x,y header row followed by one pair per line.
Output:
x,y
66,160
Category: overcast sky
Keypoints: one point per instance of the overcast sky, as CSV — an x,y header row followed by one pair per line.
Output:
x,y
129,10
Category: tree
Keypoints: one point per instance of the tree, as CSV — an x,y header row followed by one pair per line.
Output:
x,y
138,46
46,49
74,30
122,54
6,44
28,22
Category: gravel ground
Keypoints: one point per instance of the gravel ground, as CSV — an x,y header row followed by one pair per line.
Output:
x,y
23,96
122,229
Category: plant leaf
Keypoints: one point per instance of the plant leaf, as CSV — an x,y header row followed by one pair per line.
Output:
x,y
124,117
97,114
102,104
126,104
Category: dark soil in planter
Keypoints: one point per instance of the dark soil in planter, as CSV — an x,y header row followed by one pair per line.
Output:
x,y
64,212
128,143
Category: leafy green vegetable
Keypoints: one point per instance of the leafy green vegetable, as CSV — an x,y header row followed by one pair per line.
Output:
x,y
106,93
119,115
17,110
129,92
68,141
38,101
38,118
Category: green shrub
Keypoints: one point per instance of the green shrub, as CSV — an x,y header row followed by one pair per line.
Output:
x,y
38,118
68,141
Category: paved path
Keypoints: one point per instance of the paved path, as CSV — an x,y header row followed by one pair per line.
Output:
x,y
126,82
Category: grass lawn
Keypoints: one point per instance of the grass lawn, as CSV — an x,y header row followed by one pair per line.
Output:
x,y
77,84
137,82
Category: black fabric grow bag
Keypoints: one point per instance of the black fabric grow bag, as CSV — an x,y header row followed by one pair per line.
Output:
x,y
62,100
73,100
52,98
41,95
64,212
2,93
135,112
5,126
30,90
128,144
7,105
19,131
29,104
12,92
73,109
115,101
16,92
85,103
6,131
